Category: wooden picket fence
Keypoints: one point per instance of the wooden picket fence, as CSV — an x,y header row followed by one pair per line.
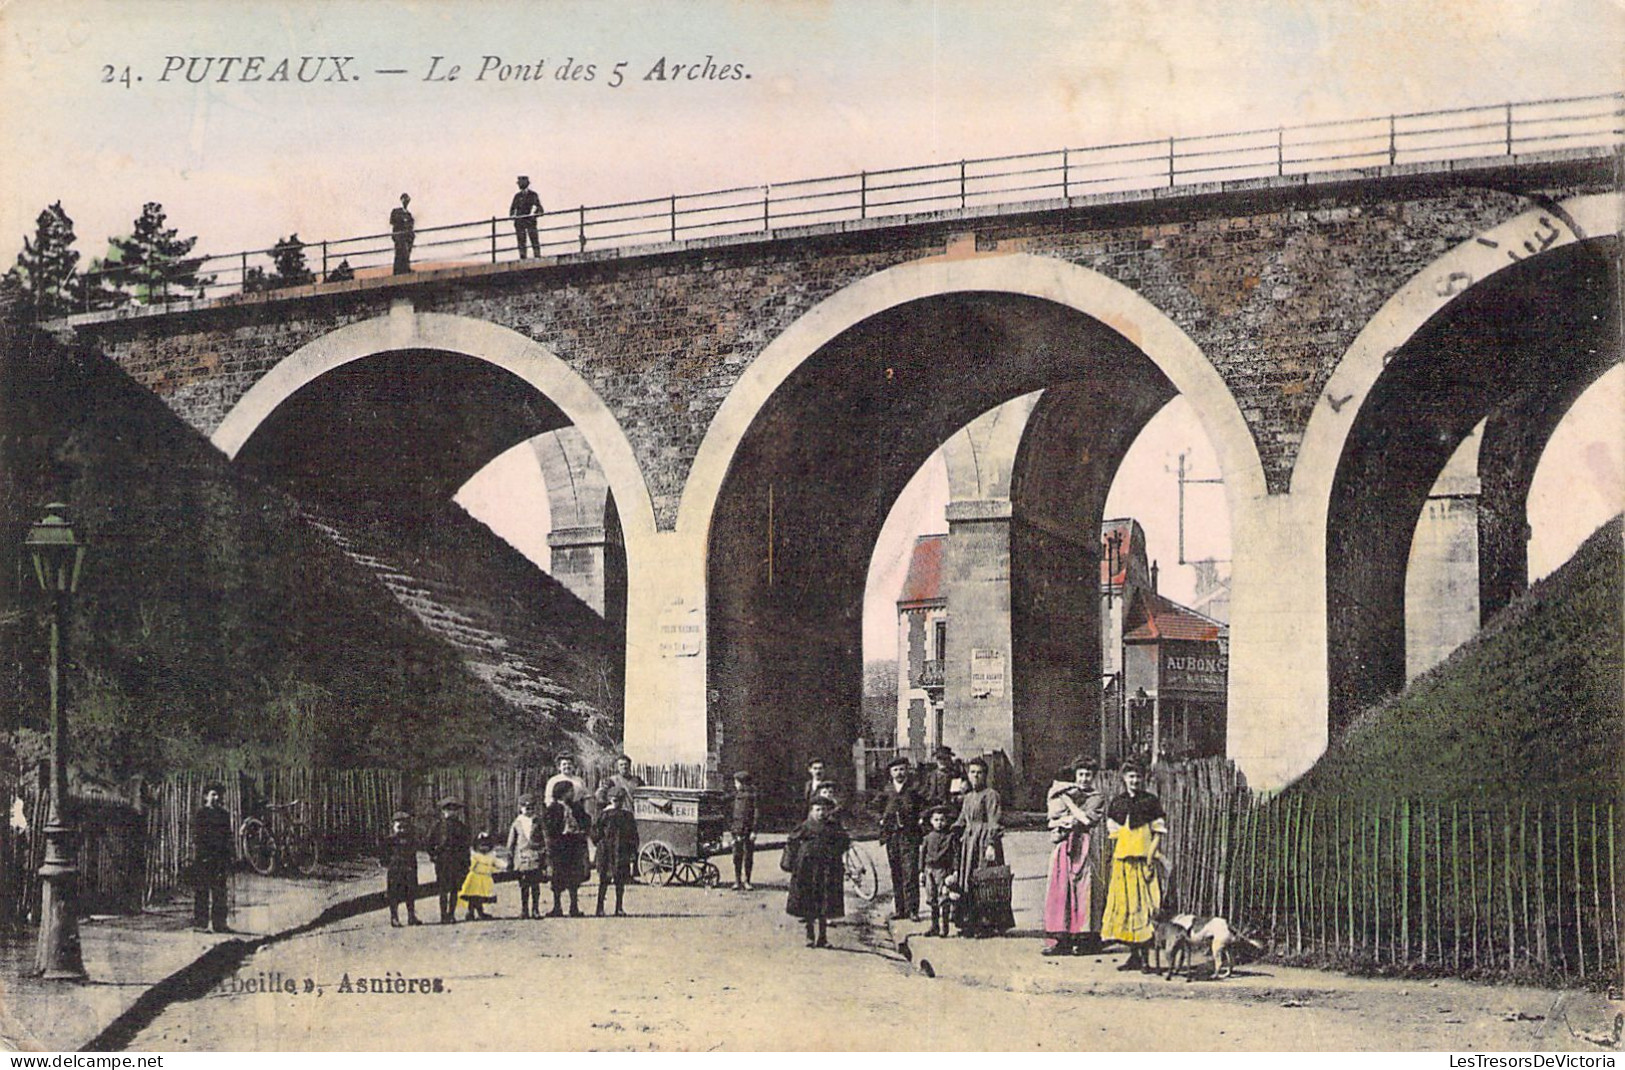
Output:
x,y
1528,890
348,811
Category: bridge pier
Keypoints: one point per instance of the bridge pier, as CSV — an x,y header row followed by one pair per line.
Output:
x,y
978,714
666,699
1441,575
1278,694
979,717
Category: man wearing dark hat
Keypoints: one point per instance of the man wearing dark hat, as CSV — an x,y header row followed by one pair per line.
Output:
x,y
526,209
400,859
403,232
211,860
448,850
939,781
901,833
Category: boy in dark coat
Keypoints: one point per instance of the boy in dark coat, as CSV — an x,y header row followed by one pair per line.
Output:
x,y
616,832
448,850
400,858
566,823
939,858
817,871
746,812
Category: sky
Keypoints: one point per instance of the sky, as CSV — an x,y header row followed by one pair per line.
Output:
x,y
833,87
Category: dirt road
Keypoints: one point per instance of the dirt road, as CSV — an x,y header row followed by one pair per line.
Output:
x,y
698,969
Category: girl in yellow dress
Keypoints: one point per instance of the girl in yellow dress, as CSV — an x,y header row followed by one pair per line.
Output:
x,y
1135,823
478,888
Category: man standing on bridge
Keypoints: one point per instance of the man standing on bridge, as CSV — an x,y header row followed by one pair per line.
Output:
x,y
403,232
526,209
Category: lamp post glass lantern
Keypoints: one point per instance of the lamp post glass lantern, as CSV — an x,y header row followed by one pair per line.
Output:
x,y
58,556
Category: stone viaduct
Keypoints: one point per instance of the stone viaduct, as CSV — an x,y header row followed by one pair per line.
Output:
x,y
739,414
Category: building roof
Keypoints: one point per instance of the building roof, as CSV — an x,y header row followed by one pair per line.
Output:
x,y
1154,618
1131,542
924,586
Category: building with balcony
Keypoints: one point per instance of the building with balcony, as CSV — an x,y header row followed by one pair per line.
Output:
x,y
1164,667
922,644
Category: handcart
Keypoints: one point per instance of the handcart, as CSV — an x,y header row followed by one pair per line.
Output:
x,y
679,829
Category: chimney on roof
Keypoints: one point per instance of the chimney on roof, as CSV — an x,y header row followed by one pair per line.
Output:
x,y
1153,577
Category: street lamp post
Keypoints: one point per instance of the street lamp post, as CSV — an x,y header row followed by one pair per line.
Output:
x,y
57,557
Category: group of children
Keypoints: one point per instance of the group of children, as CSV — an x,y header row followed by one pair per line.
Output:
x,y
551,846
814,854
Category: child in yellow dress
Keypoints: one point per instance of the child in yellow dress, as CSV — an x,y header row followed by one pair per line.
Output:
x,y
478,888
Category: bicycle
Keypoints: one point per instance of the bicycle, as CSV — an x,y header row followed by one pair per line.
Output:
x,y
266,850
861,873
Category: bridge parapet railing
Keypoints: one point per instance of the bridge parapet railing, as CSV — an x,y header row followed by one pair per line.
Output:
x,y
1487,131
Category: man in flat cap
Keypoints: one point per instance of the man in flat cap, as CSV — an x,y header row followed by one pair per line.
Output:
x,y
939,780
900,833
212,855
400,859
526,209
403,232
448,850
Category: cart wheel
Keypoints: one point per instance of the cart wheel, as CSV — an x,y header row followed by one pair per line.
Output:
x,y
302,852
687,873
860,871
710,876
656,863
259,846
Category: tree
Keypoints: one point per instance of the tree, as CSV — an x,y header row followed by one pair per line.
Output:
x,y
342,273
154,260
47,268
291,269
288,256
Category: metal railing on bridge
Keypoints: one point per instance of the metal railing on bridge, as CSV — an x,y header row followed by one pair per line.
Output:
x,y
1488,131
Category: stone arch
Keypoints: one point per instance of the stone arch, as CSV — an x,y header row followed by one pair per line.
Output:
x,y
504,348
587,554
1055,317
1091,293
1505,326
981,456
1578,219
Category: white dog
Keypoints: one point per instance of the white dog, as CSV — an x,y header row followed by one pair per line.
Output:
x,y
1212,933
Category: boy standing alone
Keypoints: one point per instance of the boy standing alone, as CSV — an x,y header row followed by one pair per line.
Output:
x,y
448,850
939,857
400,858
746,812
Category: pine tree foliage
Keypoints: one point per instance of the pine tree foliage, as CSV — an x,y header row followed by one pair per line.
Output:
x,y
154,262
47,268
290,268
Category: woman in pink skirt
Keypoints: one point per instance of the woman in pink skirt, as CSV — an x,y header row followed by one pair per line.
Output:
x,y
1075,810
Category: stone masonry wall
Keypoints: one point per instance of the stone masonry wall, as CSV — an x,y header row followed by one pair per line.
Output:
x,y
1272,284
